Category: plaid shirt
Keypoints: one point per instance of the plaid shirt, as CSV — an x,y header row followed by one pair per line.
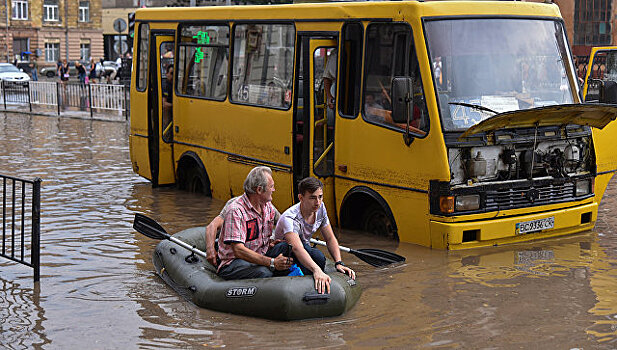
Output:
x,y
243,224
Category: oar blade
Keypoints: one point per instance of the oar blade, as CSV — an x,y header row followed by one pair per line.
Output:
x,y
148,227
377,257
383,253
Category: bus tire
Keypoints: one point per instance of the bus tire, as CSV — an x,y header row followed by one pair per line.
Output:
x,y
366,210
192,175
197,181
376,221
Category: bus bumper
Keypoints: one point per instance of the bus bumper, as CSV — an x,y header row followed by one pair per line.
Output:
x,y
498,231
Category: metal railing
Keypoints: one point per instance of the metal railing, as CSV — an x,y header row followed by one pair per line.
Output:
x,y
63,97
21,212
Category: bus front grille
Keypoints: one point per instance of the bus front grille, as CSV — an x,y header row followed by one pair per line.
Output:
x,y
510,198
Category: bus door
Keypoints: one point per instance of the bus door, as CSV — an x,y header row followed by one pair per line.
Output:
x,y
602,72
314,119
160,111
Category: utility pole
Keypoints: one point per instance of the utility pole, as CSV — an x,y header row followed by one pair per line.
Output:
x,y
6,7
66,28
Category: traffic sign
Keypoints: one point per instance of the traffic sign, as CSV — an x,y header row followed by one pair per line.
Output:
x,y
119,25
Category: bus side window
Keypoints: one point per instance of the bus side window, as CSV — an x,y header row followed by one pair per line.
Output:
x,y
142,61
202,62
390,53
263,64
351,70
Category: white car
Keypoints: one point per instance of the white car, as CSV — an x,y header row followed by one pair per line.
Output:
x,y
9,72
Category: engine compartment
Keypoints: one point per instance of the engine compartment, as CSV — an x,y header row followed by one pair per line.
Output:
x,y
559,158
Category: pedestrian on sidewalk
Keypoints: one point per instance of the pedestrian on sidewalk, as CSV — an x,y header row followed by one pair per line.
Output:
x,y
92,71
64,79
81,72
34,69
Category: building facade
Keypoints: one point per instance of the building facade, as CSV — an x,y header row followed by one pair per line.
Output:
x,y
51,29
589,23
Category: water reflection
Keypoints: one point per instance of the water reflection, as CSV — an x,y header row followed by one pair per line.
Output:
x,y
23,317
99,289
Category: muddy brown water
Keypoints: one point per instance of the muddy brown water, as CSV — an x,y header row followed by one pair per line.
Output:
x,y
98,288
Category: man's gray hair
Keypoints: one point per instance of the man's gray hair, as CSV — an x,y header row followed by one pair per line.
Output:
x,y
257,177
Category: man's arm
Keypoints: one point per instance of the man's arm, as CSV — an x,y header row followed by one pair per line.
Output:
x,y
322,281
327,84
211,231
335,252
242,252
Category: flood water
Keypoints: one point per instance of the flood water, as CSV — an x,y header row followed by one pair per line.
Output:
x,y
98,289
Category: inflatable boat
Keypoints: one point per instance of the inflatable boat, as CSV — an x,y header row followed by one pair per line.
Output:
x,y
276,298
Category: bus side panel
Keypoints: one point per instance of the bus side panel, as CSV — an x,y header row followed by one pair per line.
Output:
x,y
410,210
374,154
139,155
138,139
606,157
236,139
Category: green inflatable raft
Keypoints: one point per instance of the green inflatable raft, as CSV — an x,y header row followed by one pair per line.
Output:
x,y
276,298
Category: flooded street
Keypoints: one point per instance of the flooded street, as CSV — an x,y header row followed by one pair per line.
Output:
x,y
98,288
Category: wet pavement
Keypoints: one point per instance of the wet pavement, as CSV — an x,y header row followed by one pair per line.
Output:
x,y
98,289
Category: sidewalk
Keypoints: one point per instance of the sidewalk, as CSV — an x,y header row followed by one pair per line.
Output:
x,y
69,112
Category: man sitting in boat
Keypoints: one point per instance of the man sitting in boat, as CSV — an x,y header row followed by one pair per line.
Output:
x,y
213,228
244,244
298,224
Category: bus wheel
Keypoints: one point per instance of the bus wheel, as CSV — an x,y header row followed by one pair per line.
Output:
x,y
196,181
376,221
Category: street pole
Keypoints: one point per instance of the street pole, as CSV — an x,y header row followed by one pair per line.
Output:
x,y
66,28
6,7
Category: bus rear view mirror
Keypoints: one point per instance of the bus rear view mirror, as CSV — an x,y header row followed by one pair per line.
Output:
x,y
401,99
608,92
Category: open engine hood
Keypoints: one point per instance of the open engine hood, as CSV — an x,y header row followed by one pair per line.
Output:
x,y
594,115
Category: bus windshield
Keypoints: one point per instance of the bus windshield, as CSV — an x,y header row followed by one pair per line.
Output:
x,y
486,66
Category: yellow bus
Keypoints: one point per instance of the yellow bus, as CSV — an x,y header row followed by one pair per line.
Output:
x,y
445,124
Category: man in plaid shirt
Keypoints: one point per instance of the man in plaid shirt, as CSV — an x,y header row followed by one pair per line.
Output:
x,y
245,236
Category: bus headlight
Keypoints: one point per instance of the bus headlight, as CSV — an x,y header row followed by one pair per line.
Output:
x,y
467,202
583,187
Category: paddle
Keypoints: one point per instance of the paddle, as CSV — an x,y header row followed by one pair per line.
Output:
x,y
152,229
375,257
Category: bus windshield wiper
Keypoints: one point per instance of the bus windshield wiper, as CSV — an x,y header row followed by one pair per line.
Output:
x,y
482,108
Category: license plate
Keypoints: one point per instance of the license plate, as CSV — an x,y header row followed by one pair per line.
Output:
x,y
535,225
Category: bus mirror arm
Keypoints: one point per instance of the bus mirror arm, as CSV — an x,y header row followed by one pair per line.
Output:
x,y
402,91
407,138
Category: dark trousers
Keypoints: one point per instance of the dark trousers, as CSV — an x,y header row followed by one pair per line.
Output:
x,y
242,269
316,255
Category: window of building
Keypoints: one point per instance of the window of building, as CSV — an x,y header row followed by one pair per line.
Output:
x,y
84,11
202,61
142,61
351,70
84,51
390,53
21,45
263,64
50,10
20,9
592,22
52,52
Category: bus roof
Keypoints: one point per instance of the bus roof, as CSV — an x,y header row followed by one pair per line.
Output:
x,y
349,10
